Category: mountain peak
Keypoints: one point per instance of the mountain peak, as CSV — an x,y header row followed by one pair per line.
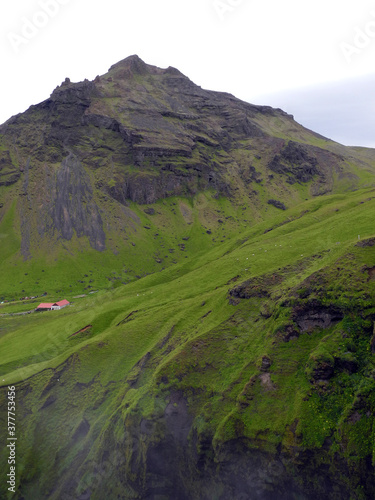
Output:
x,y
132,65
132,62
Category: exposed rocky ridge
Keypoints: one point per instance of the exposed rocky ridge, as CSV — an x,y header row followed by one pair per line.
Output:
x,y
143,133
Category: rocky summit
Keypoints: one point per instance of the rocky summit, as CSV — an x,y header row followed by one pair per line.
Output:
x,y
218,263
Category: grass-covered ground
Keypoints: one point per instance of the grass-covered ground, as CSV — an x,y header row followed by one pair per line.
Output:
x,y
177,230
283,361
328,226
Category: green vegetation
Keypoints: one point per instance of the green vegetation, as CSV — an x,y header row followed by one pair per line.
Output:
x,y
178,331
216,344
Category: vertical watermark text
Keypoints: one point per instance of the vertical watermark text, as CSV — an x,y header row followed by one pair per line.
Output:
x,y
12,439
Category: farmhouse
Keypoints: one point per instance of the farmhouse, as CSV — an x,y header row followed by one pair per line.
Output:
x,y
60,305
52,306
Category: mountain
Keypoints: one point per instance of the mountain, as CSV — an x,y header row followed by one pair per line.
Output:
x,y
228,351
81,172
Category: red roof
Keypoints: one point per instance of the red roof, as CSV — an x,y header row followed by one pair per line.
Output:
x,y
44,306
48,305
62,303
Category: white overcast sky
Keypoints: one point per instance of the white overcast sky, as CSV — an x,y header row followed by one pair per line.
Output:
x,y
313,59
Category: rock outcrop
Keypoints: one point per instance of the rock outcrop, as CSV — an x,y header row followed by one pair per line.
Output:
x,y
72,206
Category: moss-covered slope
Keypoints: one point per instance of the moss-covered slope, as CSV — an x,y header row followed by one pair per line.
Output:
x,y
244,372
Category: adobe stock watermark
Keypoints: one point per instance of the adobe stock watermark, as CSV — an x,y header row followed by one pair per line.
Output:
x,y
31,26
361,39
225,7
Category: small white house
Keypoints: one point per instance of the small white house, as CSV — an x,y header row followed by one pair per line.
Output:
x,y
59,305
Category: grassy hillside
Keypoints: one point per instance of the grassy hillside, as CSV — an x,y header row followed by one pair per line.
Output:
x,y
219,261
139,170
144,239
256,344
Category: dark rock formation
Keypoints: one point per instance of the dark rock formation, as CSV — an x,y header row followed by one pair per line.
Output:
x,y
297,162
73,207
255,287
347,362
314,315
266,363
9,173
288,332
320,367
149,211
369,242
277,204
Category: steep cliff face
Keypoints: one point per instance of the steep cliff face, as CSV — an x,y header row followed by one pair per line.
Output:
x,y
72,205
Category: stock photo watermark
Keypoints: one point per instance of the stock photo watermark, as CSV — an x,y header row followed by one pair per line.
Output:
x,y
32,25
225,7
362,38
11,439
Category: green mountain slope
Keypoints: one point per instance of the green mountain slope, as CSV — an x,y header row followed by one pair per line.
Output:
x,y
228,349
257,354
